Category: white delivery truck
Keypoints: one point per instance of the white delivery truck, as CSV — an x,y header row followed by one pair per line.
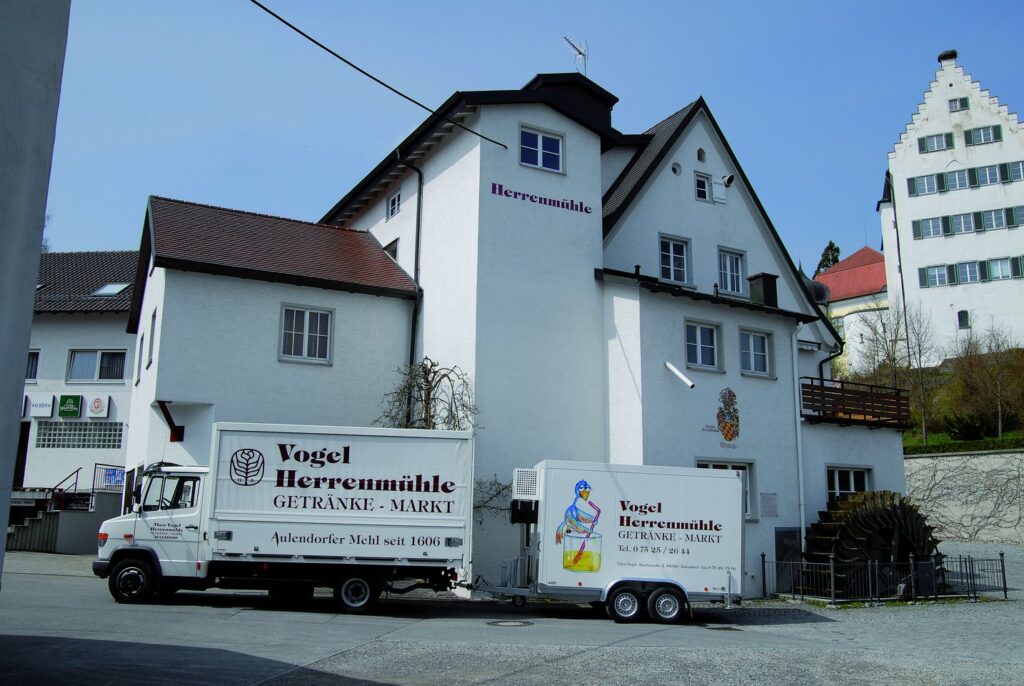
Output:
x,y
631,537
292,508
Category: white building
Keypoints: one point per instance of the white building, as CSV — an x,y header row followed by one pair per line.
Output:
x,y
951,209
76,383
857,305
578,274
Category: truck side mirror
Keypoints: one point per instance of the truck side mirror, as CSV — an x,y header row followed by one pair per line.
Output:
x,y
137,494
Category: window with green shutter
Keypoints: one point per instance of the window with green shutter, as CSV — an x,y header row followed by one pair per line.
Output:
x,y
1017,267
922,277
947,226
916,226
969,137
951,274
979,222
983,270
972,177
912,186
959,104
997,133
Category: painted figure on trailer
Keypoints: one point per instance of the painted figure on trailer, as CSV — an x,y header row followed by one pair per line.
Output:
x,y
576,520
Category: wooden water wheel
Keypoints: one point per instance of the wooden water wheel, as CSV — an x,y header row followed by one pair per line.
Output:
x,y
875,526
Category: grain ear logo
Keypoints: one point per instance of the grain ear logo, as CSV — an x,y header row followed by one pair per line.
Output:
x,y
728,415
247,467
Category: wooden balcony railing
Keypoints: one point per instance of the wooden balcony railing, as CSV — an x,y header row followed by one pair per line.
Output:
x,y
847,402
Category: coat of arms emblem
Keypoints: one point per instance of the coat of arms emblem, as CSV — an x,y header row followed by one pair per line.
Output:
x,y
728,415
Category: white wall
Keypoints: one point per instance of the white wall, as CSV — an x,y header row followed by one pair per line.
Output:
x,y
217,350
986,302
829,445
54,336
613,162
668,205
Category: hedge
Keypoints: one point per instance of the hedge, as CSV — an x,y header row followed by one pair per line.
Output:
x,y
967,446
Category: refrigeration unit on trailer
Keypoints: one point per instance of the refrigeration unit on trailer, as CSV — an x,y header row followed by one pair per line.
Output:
x,y
292,508
634,538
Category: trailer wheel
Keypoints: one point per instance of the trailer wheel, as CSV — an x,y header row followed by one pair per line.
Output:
x,y
666,605
518,601
356,594
132,581
624,605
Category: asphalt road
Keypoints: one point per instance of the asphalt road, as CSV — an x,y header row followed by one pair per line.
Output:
x,y
59,626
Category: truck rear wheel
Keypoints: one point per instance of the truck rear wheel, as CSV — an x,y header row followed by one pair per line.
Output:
x,y
666,605
356,594
624,605
132,581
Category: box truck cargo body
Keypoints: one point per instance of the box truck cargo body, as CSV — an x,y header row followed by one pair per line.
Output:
x,y
291,508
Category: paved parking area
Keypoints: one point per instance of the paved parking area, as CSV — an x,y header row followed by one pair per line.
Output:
x,y
59,625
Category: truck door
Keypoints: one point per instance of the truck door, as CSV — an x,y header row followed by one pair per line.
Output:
x,y
169,522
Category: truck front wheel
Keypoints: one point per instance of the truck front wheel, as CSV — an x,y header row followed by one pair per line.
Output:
x,y
356,594
666,605
624,605
132,581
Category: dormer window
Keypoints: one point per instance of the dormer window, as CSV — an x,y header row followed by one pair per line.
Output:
x,y
110,289
541,150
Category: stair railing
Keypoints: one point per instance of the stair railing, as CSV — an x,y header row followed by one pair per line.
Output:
x,y
57,491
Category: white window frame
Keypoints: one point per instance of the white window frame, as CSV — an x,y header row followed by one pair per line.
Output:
x,y
934,227
935,143
982,135
1004,271
673,242
393,205
962,223
725,256
748,357
967,272
939,272
541,135
833,488
988,175
304,357
997,217
33,379
958,180
699,346
749,481
700,178
100,352
927,184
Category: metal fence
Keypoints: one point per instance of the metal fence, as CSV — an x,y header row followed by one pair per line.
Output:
x,y
875,581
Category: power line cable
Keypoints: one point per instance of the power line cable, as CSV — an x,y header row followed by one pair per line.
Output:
x,y
367,74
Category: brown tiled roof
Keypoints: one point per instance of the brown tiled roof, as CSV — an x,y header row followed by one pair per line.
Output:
x,y
193,237
69,279
862,273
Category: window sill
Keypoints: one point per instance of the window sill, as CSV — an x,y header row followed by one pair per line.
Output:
x,y
755,375
699,368
560,172
303,360
688,285
733,295
94,382
31,381
751,519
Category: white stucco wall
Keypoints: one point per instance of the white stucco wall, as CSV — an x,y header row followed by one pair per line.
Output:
x,y
54,336
217,360
986,302
668,205
613,162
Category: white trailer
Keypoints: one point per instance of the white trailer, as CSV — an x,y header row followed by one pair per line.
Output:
x,y
292,508
634,538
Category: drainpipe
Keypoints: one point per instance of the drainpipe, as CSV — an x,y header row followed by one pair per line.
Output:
x,y
799,437
414,323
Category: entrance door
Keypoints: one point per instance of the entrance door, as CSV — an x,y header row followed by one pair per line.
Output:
x,y
22,456
169,522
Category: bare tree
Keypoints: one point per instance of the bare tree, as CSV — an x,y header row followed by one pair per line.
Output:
x,y
491,498
987,379
430,396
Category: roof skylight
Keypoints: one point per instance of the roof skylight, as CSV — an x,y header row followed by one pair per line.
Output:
x,y
110,289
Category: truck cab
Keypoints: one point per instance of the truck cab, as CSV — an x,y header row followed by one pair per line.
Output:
x,y
155,548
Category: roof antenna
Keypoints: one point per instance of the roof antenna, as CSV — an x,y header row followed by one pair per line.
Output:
x,y
580,50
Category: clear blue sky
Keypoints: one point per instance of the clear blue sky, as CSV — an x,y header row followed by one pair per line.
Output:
x,y
216,102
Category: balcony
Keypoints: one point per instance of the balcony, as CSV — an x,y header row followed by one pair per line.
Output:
x,y
846,402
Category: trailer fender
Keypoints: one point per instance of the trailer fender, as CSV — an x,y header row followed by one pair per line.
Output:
x,y
647,584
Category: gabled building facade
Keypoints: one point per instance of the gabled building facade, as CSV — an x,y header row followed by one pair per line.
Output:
x,y
952,209
77,379
613,297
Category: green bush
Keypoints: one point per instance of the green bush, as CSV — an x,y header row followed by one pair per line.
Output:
x,y
1005,443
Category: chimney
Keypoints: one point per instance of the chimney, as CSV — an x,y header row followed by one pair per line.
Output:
x,y
763,290
947,56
